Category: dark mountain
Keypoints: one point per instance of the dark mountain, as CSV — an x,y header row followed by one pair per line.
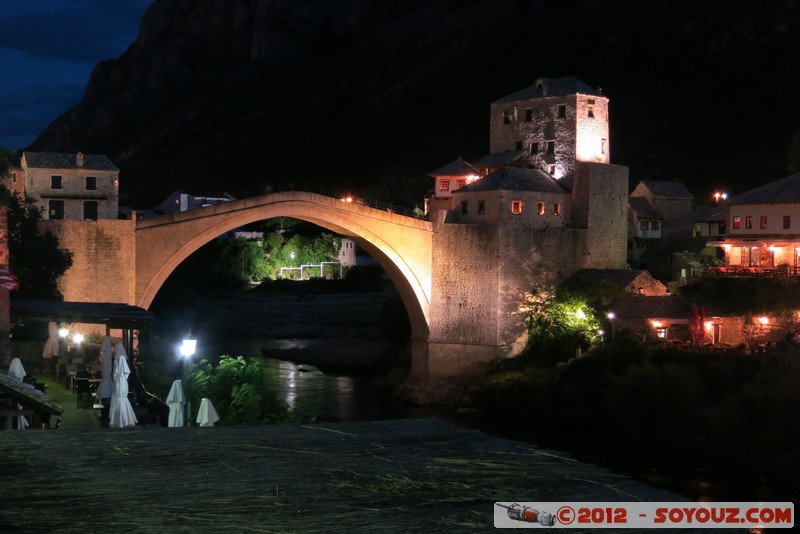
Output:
x,y
369,95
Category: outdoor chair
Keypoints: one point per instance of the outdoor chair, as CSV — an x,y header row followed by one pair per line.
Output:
x,y
83,390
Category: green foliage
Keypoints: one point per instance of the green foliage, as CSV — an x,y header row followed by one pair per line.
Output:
x,y
279,249
36,258
717,410
237,388
562,324
775,294
5,161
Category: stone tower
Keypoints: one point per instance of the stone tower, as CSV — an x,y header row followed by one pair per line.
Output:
x,y
552,124
547,204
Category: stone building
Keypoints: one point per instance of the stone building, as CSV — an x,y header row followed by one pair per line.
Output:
x,y
546,203
74,187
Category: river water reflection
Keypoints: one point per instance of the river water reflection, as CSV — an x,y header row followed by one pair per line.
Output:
x,y
317,395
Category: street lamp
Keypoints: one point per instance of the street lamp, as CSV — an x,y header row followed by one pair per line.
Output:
x,y
611,315
188,347
291,256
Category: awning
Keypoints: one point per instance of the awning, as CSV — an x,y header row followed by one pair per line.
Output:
x,y
112,314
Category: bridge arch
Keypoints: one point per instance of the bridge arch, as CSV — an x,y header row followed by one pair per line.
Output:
x,y
401,245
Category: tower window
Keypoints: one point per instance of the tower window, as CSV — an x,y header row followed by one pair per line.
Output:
x,y
516,207
56,182
737,223
506,117
90,210
787,222
464,207
461,182
534,148
562,111
91,183
748,222
551,147
590,101
557,208
590,112
481,207
541,208
444,184
763,222
528,115
602,146
551,170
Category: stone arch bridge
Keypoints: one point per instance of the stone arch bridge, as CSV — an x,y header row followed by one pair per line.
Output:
x,y
401,245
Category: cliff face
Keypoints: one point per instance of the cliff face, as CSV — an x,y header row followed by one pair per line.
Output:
x,y
369,95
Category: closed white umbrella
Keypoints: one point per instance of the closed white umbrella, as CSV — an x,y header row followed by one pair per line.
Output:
x,y
106,387
51,345
176,401
207,415
17,372
121,413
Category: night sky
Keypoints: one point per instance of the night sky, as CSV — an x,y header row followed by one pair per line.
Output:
x,y
48,49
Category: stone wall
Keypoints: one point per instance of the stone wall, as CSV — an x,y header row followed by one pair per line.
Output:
x,y
103,260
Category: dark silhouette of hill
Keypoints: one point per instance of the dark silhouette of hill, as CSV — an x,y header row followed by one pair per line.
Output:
x,y
370,95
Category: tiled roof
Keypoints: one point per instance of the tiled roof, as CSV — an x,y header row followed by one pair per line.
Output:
x,y
715,214
515,179
643,209
498,159
458,167
781,191
551,87
52,160
632,306
663,188
620,278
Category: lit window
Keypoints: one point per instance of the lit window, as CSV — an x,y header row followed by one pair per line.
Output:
x,y
90,210
551,147
506,117
556,208
763,222
464,207
444,184
534,148
787,222
55,182
562,111
541,208
528,115
481,207
590,113
661,332
737,223
91,183
461,182
748,222
516,207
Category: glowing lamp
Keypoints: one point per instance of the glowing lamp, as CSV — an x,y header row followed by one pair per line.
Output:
x,y
771,248
708,325
188,347
347,199
727,247
77,338
63,332
657,324
763,321
580,314
611,315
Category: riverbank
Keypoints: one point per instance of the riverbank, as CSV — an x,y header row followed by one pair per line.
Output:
x,y
413,475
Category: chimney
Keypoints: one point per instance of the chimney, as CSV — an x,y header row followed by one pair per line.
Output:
x,y
79,159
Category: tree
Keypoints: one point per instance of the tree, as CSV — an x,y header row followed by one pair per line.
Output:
x,y
36,258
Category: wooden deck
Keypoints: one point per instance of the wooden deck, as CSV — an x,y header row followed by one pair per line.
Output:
x,y
415,475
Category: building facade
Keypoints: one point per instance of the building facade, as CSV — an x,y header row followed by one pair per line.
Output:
x,y
74,187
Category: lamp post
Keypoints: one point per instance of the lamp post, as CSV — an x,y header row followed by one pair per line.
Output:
x,y
611,315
